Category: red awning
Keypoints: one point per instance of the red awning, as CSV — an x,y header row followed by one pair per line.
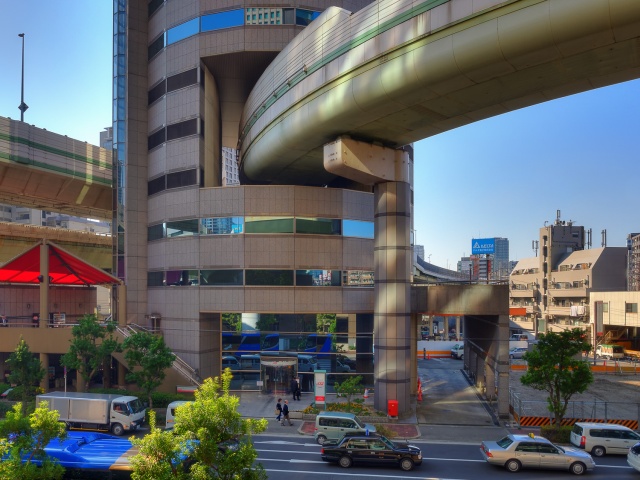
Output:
x,y
64,269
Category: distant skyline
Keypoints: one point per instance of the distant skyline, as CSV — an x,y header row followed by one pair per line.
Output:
x,y
501,177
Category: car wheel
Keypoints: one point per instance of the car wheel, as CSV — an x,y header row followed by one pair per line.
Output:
x,y
513,465
345,461
321,439
598,451
462,357
577,468
117,429
406,464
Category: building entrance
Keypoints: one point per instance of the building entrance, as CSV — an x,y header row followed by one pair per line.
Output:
x,y
276,374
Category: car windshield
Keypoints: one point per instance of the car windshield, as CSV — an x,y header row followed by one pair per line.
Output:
x,y
136,406
560,448
504,442
359,422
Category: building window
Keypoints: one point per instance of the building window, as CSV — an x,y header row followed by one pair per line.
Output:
x,y
156,185
217,21
319,226
268,225
318,278
222,226
356,228
184,30
155,279
156,47
182,129
182,228
221,277
181,278
631,307
269,277
184,178
155,232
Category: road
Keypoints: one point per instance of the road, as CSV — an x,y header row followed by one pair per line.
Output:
x,y
296,457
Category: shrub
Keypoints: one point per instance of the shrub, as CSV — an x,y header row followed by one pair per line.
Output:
x,y
162,399
5,407
556,434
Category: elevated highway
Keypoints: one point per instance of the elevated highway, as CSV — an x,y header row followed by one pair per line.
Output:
x,y
47,171
399,71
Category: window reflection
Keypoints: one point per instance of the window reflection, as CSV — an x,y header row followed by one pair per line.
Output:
x,y
357,228
305,17
220,277
182,31
320,226
318,278
175,278
268,224
222,226
269,277
182,228
357,278
216,21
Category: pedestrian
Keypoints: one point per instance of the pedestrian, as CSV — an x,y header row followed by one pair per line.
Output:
x,y
285,413
298,389
3,321
279,410
294,388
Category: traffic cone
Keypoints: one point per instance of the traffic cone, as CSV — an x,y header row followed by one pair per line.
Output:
x,y
419,390
366,393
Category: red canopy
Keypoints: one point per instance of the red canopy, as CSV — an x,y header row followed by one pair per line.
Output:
x,y
64,269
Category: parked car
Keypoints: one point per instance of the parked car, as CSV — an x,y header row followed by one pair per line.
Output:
x,y
342,367
603,438
517,352
332,426
514,452
633,457
374,449
457,351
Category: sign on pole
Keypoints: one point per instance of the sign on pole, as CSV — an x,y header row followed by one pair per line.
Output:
x,y
320,386
483,245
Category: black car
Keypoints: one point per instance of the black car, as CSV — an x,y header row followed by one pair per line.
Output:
x,y
373,449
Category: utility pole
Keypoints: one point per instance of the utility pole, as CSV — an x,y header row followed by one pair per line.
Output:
x,y
23,106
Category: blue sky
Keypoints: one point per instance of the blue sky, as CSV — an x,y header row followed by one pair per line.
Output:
x,y
500,177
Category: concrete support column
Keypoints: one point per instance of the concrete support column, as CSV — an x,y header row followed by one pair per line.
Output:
x,y
490,379
430,326
44,285
504,367
44,360
457,328
392,309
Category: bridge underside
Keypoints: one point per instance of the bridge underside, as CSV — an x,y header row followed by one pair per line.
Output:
x,y
43,190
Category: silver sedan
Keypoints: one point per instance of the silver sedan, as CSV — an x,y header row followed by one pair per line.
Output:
x,y
527,451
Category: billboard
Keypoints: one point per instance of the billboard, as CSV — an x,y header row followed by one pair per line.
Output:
x,y
483,245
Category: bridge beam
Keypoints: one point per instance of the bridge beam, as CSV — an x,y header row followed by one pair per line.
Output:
x,y
388,170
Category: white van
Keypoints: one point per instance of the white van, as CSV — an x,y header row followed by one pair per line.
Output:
x,y
229,361
333,426
171,413
602,438
307,363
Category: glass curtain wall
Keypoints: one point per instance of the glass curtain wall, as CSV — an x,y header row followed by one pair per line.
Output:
x,y
119,139
264,351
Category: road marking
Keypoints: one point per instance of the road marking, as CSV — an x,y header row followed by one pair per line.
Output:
x,y
283,442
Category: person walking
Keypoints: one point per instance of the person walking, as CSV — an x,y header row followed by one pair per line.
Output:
x,y
294,388
3,321
279,410
285,413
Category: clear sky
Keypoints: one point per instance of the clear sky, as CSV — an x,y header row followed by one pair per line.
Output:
x,y
502,177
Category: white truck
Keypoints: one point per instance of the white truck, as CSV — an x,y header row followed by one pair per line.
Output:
x,y
96,411
457,351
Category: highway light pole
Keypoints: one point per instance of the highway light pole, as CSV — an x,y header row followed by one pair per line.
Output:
x,y
23,106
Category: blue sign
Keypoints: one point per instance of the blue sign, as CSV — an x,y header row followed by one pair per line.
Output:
x,y
483,245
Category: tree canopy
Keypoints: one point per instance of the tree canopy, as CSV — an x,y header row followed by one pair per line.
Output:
x,y
22,441
555,365
148,357
91,345
26,371
212,432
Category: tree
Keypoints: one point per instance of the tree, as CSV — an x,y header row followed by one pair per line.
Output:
x,y
91,344
23,441
555,367
148,357
351,386
26,371
217,437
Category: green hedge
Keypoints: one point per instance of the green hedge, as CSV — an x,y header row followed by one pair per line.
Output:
x,y
555,434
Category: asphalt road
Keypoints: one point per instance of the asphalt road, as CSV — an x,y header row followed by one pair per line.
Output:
x,y
295,457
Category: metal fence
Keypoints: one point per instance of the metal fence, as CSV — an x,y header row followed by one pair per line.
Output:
x,y
536,413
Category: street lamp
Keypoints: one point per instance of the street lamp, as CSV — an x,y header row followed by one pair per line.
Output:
x,y
23,106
